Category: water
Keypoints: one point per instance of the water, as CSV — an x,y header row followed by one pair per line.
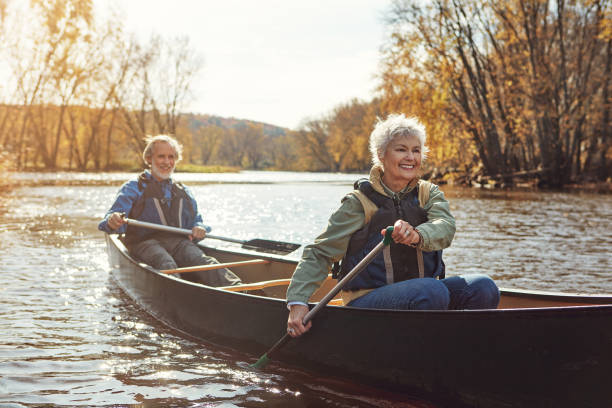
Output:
x,y
69,337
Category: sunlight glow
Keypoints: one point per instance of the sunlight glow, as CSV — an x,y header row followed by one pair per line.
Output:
x,y
271,61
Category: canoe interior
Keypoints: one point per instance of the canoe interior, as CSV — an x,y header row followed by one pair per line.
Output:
x,y
272,279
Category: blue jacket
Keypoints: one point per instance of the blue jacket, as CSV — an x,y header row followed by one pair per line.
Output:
x,y
147,199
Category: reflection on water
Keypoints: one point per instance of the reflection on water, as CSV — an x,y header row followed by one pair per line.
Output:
x,y
534,240
68,335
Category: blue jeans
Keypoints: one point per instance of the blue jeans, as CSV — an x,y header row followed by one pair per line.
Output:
x,y
454,293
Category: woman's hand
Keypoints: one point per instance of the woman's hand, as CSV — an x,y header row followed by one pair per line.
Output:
x,y
295,328
404,233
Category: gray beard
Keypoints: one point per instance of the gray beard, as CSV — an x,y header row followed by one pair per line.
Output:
x,y
157,174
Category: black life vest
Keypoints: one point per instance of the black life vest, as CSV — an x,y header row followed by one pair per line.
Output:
x,y
401,261
152,206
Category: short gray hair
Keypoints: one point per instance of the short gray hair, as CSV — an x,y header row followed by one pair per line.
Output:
x,y
394,126
151,140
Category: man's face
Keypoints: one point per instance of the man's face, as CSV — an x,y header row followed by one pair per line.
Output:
x,y
162,161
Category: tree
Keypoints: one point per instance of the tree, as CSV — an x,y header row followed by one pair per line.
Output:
x,y
312,141
232,148
522,77
284,153
90,131
157,86
255,146
207,139
349,132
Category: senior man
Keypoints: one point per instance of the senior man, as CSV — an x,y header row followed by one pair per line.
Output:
x,y
154,197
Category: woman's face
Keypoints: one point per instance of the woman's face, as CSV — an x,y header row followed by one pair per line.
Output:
x,y
401,162
162,161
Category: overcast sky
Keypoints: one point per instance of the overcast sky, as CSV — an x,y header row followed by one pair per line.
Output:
x,y
274,61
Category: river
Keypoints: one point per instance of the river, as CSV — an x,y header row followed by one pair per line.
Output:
x,y
70,337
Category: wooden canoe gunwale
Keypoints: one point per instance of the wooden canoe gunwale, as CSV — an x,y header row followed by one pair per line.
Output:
x,y
536,357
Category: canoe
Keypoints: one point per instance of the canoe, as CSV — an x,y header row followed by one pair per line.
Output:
x,y
538,349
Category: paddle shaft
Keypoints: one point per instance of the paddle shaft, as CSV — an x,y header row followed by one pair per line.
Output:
x,y
330,295
167,228
260,245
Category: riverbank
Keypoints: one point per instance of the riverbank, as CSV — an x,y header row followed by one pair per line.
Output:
x,y
526,180
8,180
11,180
601,187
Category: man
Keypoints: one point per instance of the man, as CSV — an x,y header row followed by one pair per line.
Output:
x,y
154,197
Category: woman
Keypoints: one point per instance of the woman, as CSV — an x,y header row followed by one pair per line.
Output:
x,y
409,274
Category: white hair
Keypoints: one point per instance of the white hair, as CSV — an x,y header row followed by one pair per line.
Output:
x,y
151,140
396,125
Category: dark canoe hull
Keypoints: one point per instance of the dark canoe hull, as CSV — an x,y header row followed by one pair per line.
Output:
x,y
536,357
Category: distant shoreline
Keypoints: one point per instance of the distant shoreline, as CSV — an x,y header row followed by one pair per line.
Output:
x,y
8,183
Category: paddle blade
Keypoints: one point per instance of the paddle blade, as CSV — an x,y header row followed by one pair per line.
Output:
x,y
272,247
261,363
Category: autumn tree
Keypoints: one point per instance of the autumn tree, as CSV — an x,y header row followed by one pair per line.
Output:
x,y
525,79
312,138
156,87
232,148
284,153
350,125
45,71
339,140
207,140
256,146
93,117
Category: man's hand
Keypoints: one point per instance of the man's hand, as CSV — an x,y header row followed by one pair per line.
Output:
x,y
116,220
197,233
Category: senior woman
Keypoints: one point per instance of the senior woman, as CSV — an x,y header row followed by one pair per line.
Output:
x,y
409,274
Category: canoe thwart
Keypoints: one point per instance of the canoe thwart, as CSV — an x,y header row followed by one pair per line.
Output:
x,y
273,283
211,267
257,285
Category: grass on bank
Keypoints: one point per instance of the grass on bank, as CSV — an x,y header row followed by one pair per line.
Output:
x,y
7,182
181,167
133,167
198,168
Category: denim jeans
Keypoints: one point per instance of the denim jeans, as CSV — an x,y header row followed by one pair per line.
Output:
x,y
454,293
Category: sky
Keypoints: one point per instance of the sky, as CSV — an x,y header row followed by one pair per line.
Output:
x,y
274,61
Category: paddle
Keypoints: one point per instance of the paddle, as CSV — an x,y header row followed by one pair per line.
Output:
x,y
261,245
265,358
